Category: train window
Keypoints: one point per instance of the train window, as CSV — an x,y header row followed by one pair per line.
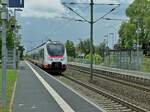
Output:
x,y
42,53
55,49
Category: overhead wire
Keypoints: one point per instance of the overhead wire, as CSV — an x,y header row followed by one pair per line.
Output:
x,y
74,19
73,3
59,28
106,14
65,24
76,13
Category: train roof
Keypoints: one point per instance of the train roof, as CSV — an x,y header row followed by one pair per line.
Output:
x,y
44,44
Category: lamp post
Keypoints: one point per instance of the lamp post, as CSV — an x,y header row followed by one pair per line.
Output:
x,y
138,31
106,50
113,28
107,43
112,36
15,32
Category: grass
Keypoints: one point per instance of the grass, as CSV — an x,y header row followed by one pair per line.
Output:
x,y
145,66
11,78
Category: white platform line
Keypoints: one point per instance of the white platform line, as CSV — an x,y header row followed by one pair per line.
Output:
x,y
64,106
71,89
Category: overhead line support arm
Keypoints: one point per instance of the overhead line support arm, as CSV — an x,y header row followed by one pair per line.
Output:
x,y
106,14
76,13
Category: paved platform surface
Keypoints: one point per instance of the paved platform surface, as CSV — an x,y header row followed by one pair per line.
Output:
x,y
139,74
37,91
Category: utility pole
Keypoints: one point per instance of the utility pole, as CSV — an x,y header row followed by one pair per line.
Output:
x,y
91,22
106,49
112,38
105,54
91,42
138,41
14,50
4,17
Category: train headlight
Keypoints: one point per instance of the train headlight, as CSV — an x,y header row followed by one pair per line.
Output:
x,y
51,59
62,59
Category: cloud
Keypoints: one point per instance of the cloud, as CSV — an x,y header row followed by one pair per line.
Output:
x,y
98,1
53,8
28,23
126,1
43,8
108,1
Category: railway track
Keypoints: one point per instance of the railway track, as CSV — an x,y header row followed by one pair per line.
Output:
x,y
108,77
108,101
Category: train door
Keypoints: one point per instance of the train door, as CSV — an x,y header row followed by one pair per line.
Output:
x,y
42,56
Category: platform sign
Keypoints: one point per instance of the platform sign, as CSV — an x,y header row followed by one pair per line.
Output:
x,y
16,3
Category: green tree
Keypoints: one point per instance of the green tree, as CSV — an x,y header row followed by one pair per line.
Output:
x,y
96,58
10,35
10,29
127,35
84,46
70,48
100,48
21,49
139,15
139,8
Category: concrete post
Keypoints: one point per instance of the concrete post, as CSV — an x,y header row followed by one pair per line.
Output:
x,y
4,17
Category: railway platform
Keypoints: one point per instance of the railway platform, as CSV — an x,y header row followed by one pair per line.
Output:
x,y
141,78
144,75
37,91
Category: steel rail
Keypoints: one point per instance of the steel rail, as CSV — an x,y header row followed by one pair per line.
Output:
x,y
111,97
135,85
116,75
125,104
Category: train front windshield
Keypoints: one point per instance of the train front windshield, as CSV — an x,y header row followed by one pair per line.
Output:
x,y
55,49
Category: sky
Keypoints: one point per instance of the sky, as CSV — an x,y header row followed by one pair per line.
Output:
x,y
41,20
